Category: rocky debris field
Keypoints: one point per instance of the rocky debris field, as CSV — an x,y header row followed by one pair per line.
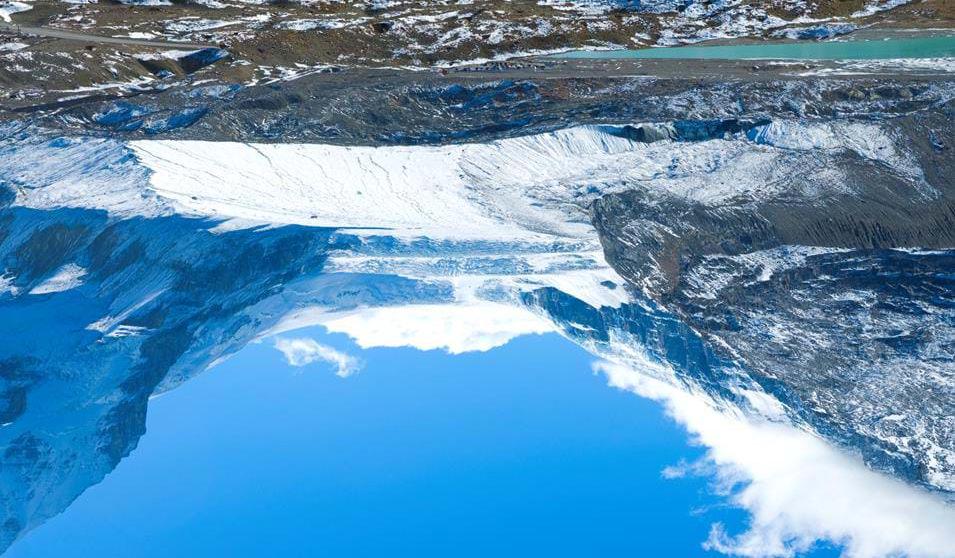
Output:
x,y
266,42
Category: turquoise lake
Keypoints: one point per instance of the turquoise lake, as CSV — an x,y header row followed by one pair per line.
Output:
x,y
924,47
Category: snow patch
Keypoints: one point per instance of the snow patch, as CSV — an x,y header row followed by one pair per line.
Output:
x,y
877,6
9,8
67,277
166,55
12,46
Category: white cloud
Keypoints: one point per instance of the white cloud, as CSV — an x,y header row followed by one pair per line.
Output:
x,y
456,328
303,351
797,488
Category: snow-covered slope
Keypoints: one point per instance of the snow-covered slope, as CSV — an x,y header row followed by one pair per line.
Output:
x,y
532,188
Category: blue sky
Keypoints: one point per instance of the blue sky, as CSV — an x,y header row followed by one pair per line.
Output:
x,y
518,451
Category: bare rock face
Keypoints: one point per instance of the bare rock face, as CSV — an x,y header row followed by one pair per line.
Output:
x,y
861,202
835,295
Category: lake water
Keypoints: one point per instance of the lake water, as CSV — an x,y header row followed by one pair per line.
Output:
x,y
923,47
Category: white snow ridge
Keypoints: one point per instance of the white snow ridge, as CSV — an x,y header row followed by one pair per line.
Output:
x,y
530,188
